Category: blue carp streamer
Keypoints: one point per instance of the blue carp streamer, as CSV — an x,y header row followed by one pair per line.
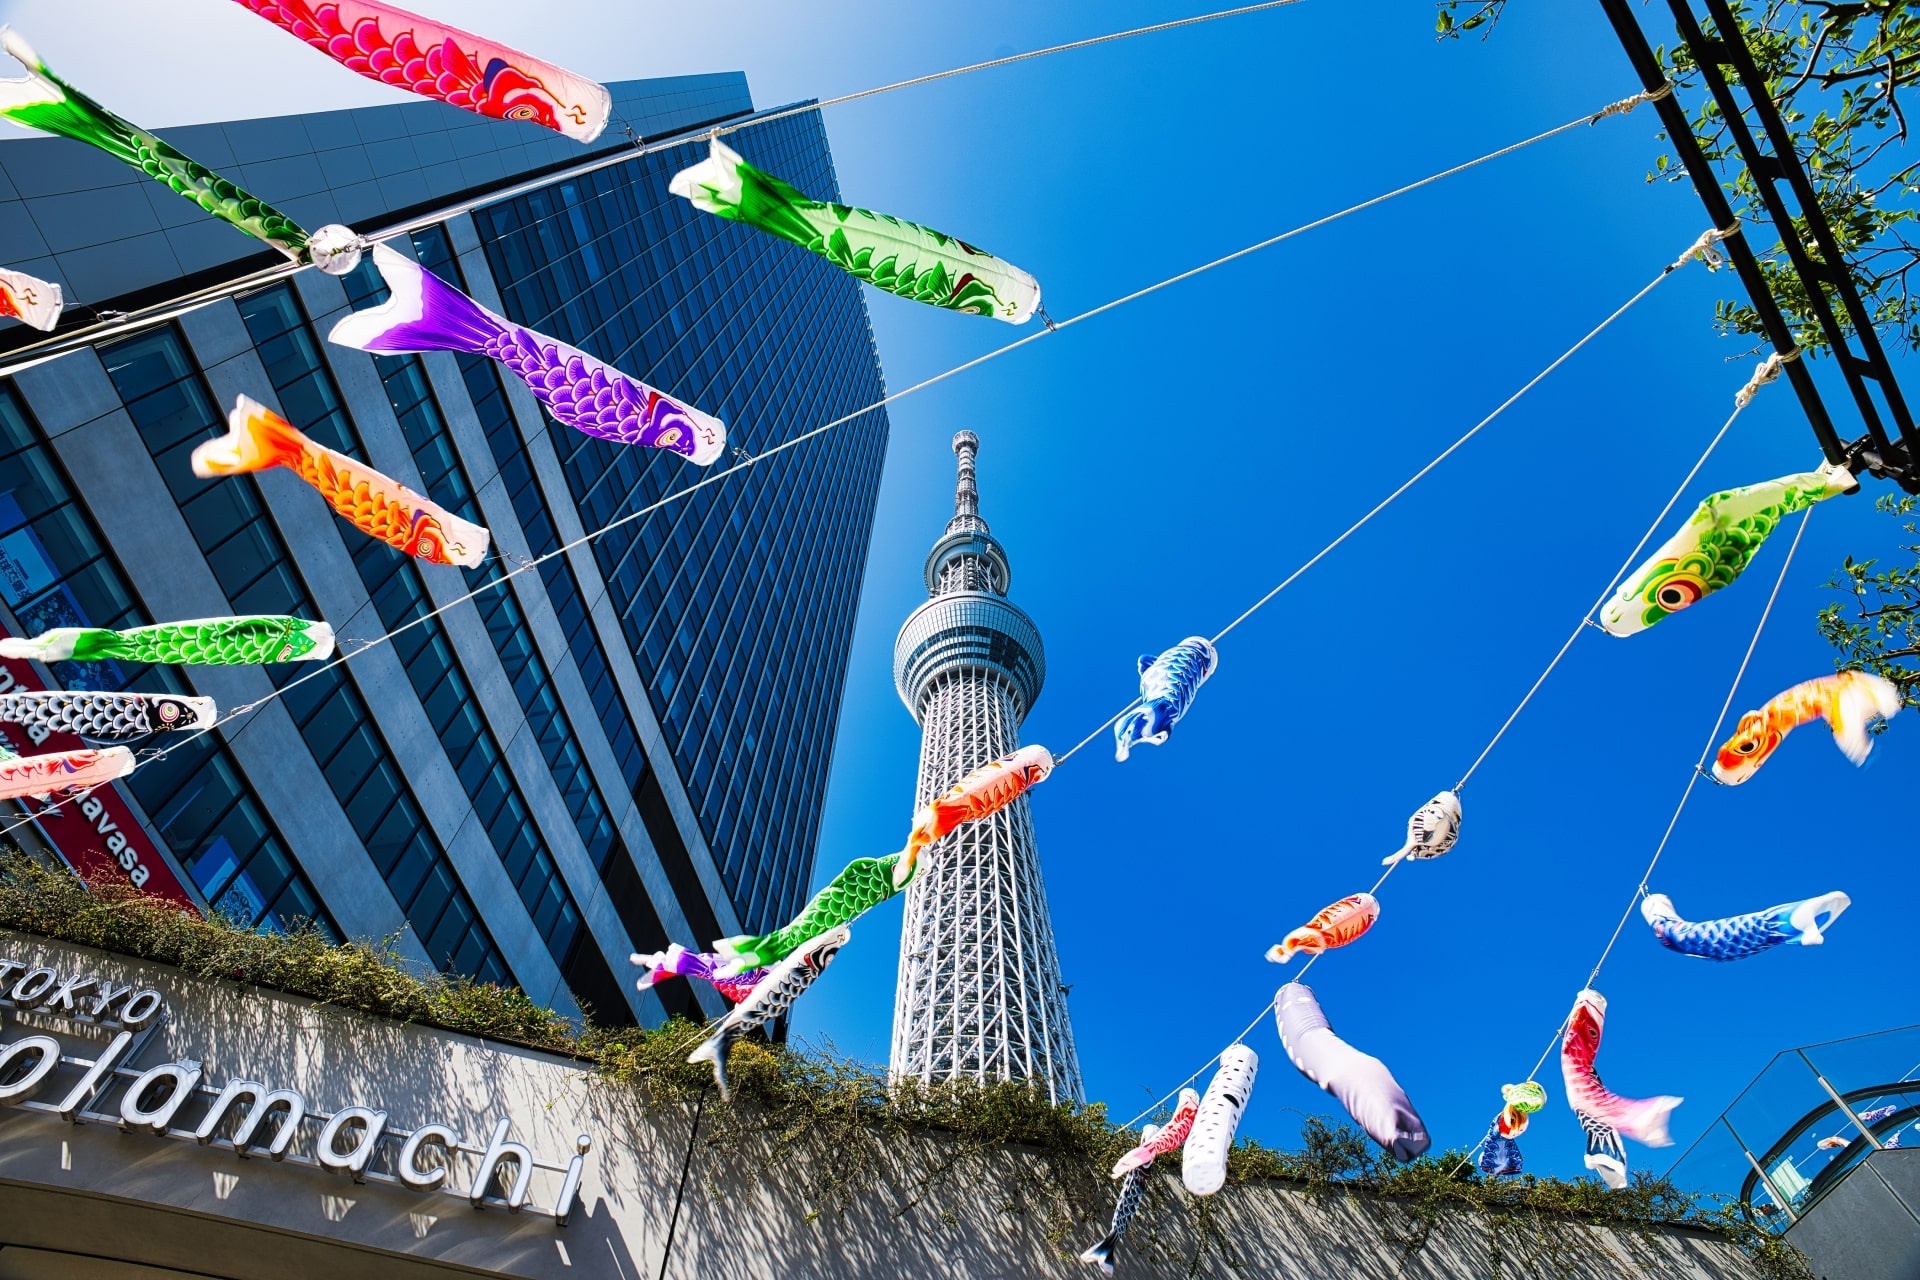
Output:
x,y
1737,937
1499,1154
1167,686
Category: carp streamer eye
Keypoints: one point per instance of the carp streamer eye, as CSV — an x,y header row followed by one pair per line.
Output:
x,y
1677,593
1746,746
169,713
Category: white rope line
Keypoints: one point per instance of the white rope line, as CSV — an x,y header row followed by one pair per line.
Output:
x,y
923,384
1586,619
1713,738
1625,105
126,323
1258,1018
1769,369
1451,449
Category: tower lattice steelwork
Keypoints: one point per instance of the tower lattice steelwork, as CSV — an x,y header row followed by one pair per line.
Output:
x,y
980,993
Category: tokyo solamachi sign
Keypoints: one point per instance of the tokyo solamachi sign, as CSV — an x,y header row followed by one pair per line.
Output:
x,y
75,1050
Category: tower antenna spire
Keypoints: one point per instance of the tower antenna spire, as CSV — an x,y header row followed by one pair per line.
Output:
x,y
980,995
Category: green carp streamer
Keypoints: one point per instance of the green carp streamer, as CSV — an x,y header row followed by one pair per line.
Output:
x,y
904,258
201,642
42,100
1715,546
864,884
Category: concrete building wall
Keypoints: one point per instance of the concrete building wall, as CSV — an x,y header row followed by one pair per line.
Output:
x,y
80,1199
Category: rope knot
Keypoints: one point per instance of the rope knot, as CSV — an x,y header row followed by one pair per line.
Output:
x,y
1625,105
1705,248
1768,371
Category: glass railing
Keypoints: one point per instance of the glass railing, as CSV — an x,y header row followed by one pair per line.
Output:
x,y
1804,1122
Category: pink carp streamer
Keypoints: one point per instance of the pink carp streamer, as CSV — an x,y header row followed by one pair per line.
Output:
x,y
1161,1141
386,43
1642,1119
62,773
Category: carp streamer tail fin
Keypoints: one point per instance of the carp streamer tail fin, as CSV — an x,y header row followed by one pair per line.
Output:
x,y
257,439
425,313
1101,1255
1863,701
714,1052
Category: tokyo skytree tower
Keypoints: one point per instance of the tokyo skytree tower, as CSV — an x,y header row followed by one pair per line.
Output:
x,y
980,993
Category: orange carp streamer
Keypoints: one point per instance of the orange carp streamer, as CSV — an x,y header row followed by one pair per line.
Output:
x,y
1335,926
258,439
985,791
1848,701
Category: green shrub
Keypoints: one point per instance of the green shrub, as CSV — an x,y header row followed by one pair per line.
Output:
x,y
795,1098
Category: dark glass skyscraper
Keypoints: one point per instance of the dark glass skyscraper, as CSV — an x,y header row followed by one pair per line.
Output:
x,y
625,746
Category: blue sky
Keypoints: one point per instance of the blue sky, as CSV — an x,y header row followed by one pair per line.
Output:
x,y
1155,470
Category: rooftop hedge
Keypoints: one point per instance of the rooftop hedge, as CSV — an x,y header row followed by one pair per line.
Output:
x,y
796,1095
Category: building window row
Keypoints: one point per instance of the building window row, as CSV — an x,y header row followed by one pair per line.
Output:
x,y
173,411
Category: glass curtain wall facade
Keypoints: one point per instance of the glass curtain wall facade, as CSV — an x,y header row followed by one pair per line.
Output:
x,y
739,601
625,746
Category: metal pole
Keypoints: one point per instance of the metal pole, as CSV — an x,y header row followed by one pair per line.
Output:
x,y
1687,147
1772,1190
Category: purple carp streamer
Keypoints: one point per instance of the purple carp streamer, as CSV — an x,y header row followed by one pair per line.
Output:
x,y
1361,1083
426,313
1803,923
677,961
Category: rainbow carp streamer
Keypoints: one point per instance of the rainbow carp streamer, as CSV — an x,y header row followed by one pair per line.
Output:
x,y
200,641
62,773
1168,684
904,258
104,717
1849,701
425,313
228,642
30,299
1803,923
980,794
1642,1119
1159,1141
1359,1081
678,962
1335,926
784,983
41,100
1133,1190
259,439
1522,1100
1714,547
861,885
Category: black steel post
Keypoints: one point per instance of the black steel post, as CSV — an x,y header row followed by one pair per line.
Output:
x,y
1687,148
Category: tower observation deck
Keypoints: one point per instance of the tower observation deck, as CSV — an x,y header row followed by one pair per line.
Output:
x,y
980,995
